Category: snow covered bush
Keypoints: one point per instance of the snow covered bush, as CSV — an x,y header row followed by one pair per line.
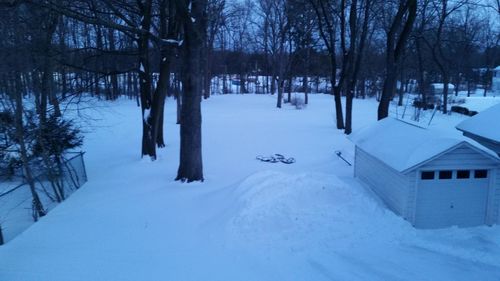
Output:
x,y
298,102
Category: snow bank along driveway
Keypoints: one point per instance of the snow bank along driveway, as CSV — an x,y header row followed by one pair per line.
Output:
x,y
249,220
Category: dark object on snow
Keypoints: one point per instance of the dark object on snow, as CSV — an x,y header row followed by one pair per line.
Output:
x,y
420,104
463,110
460,109
276,158
339,154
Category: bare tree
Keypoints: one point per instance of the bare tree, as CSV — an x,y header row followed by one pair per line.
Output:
x,y
215,20
355,53
397,36
277,26
326,11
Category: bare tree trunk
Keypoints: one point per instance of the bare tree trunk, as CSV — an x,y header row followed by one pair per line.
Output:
x,y
148,140
338,101
401,88
305,85
353,59
194,22
289,89
115,90
62,47
37,203
421,74
178,99
394,50
168,29
280,82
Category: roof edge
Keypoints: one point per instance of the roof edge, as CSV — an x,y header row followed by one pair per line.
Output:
x,y
461,143
468,134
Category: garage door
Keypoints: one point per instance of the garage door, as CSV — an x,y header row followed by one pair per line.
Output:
x,y
452,198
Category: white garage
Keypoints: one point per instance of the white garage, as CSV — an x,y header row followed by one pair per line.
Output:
x,y
429,179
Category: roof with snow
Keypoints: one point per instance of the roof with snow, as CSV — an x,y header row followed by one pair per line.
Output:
x,y
404,146
497,68
440,86
485,124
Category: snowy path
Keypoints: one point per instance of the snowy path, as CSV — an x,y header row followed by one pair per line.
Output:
x,y
249,220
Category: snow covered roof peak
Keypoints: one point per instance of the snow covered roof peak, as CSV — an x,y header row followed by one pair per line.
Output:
x,y
401,145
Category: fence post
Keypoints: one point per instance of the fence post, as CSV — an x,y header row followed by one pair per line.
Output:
x,y
83,166
1,235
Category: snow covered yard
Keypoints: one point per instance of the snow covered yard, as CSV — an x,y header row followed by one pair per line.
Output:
x,y
249,220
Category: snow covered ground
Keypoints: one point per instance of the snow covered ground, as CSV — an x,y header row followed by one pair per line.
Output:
x,y
249,220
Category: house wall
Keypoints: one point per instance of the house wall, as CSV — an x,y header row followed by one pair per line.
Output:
x,y
390,185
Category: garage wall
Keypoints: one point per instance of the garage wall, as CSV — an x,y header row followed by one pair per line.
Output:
x,y
494,204
390,185
463,157
466,158
411,196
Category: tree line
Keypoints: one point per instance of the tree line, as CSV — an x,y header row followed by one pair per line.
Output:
x,y
56,51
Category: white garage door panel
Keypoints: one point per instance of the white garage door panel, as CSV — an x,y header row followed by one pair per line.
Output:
x,y
441,203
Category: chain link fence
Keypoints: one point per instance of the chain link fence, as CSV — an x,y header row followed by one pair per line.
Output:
x,y
52,186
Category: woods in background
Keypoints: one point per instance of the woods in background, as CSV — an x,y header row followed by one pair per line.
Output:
x,y
54,52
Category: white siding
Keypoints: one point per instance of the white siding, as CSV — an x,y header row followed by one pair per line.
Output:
x,y
494,216
432,202
463,157
412,197
389,184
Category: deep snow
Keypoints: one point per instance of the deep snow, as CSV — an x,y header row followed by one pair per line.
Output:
x,y
249,220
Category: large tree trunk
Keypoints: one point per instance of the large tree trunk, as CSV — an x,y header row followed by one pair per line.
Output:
x,y
191,164
401,89
387,92
145,83
168,30
115,91
421,74
446,81
279,81
305,85
178,100
337,97
159,101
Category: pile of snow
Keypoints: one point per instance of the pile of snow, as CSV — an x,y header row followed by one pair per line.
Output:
x,y
304,210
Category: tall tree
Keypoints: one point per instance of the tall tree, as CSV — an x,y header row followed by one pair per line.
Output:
x,y
355,53
277,27
193,19
326,11
397,35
